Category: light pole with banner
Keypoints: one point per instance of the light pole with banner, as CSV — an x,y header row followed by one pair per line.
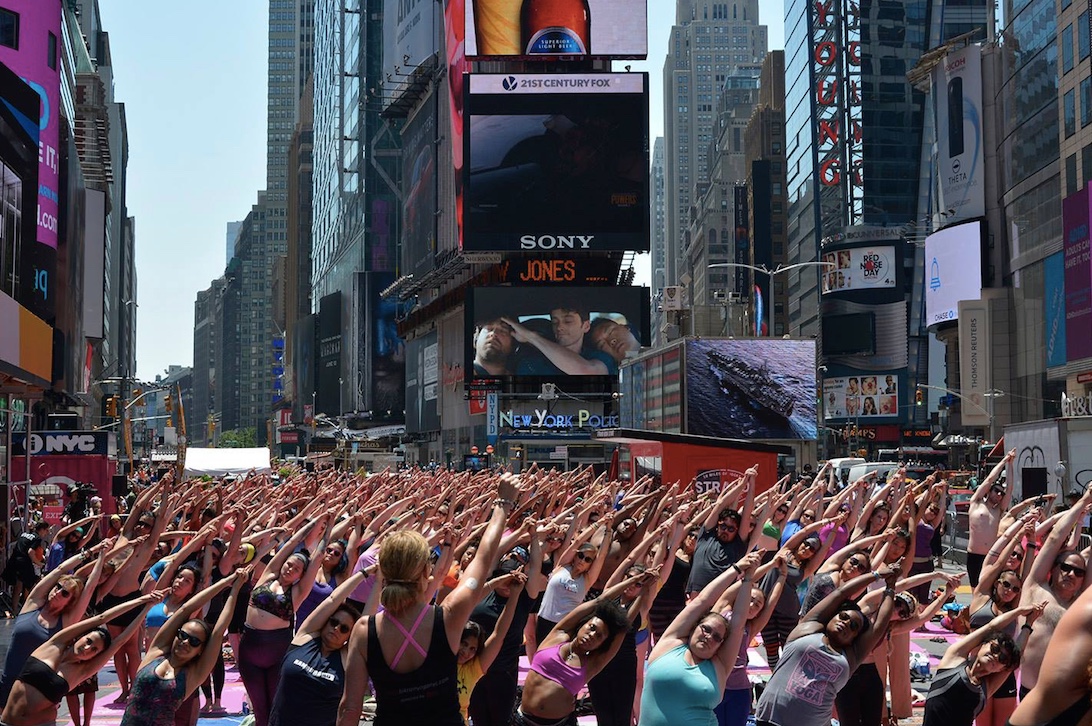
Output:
x,y
771,274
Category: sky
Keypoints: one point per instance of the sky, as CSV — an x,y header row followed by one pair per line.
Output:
x,y
192,77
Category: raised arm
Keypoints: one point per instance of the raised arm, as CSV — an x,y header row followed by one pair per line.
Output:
x,y
492,646
213,646
162,643
959,651
1044,562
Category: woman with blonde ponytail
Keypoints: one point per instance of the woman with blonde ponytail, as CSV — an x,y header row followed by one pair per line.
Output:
x,y
409,650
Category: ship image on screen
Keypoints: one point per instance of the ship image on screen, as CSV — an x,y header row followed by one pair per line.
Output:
x,y
751,389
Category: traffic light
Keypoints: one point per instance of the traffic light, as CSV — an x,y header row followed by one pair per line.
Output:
x,y
919,397
112,406
169,404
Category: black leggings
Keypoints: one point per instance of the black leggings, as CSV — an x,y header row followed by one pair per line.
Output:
x,y
215,682
260,656
860,702
612,691
494,698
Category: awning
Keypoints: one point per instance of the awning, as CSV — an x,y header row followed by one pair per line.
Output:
x,y
221,462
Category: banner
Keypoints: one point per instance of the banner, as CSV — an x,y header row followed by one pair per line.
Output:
x,y
953,270
1078,275
860,268
957,90
975,365
866,396
534,29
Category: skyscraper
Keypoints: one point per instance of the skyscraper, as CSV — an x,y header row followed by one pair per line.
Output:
x,y
707,44
659,235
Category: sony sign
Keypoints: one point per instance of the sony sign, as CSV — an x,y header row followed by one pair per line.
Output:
x,y
556,242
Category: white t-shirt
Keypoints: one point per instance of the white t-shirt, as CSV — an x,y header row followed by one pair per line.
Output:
x,y
563,594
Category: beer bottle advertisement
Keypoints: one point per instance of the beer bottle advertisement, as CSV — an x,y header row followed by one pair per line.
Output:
x,y
555,27
552,29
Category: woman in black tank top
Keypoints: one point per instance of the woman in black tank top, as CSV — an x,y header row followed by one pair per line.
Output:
x,y
1061,696
415,676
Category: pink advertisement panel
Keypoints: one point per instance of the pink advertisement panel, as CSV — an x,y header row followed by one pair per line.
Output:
x,y
37,61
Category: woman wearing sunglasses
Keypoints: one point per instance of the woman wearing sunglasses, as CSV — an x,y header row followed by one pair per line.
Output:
x,y
59,599
313,669
578,567
67,659
998,592
822,652
976,666
180,658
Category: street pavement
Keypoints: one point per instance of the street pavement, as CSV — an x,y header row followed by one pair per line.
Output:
x,y
107,712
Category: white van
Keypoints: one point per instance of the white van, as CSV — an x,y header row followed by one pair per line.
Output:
x,y
841,467
883,470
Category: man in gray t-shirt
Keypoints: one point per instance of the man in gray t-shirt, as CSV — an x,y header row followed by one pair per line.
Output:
x,y
716,551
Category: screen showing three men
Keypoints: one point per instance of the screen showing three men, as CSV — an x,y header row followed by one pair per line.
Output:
x,y
553,331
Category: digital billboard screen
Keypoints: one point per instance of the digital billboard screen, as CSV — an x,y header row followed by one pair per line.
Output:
x,y
859,268
849,334
553,332
758,388
419,150
556,162
549,29
866,396
953,271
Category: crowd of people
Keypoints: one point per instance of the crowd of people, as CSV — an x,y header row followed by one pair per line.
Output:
x,y
420,591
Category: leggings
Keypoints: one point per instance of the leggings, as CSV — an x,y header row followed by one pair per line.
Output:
x,y
215,682
260,656
734,708
494,698
613,690
860,702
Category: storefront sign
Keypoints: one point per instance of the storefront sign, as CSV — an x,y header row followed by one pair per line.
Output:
x,y
543,419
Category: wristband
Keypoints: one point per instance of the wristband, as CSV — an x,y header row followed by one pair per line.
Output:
x,y
889,592
445,544
1032,546
1029,628
735,567
877,575
503,502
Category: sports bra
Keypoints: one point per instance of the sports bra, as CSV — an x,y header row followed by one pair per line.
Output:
x,y
548,663
157,616
278,605
39,675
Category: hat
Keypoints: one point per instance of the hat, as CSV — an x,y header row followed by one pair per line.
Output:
x,y
520,553
249,552
115,518
506,567
79,531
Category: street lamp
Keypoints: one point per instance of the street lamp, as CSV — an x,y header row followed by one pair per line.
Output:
x,y
771,273
990,395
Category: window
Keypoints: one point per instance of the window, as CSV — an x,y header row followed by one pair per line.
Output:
x,y
1086,164
9,29
1069,111
1067,49
1086,102
1082,35
1070,174
52,51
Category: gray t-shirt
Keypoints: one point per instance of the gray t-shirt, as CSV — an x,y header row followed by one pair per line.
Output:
x,y
712,557
801,691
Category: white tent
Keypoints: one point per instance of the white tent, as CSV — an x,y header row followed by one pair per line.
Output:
x,y
221,462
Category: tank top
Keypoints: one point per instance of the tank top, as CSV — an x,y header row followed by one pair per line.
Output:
x,y
425,695
154,700
679,694
671,599
563,593
985,614
319,592
953,700
737,679
311,687
26,635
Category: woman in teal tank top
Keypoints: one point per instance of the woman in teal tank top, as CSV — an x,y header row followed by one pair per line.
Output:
x,y
686,671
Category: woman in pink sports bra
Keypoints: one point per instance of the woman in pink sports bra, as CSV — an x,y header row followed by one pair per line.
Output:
x,y
574,652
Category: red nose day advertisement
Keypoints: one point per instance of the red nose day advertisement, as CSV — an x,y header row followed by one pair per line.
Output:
x,y
36,59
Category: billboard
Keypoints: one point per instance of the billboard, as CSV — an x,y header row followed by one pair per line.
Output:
x,y
328,375
953,270
756,388
556,162
423,384
1054,305
957,91
303,363
36,60
559,28
868,396
410,24
19,155
975,362
382,349
419,150
860,268
553,331
1078,275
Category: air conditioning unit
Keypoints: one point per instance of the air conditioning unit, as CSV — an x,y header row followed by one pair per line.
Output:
x,y
735,297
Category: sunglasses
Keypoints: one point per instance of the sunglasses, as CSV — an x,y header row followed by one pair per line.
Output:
x,y
1008,585
807,515
63,591
584,557
192,640
728,528
708,631
782,510
1004,657
339,626
333,551
1070,569
858,563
